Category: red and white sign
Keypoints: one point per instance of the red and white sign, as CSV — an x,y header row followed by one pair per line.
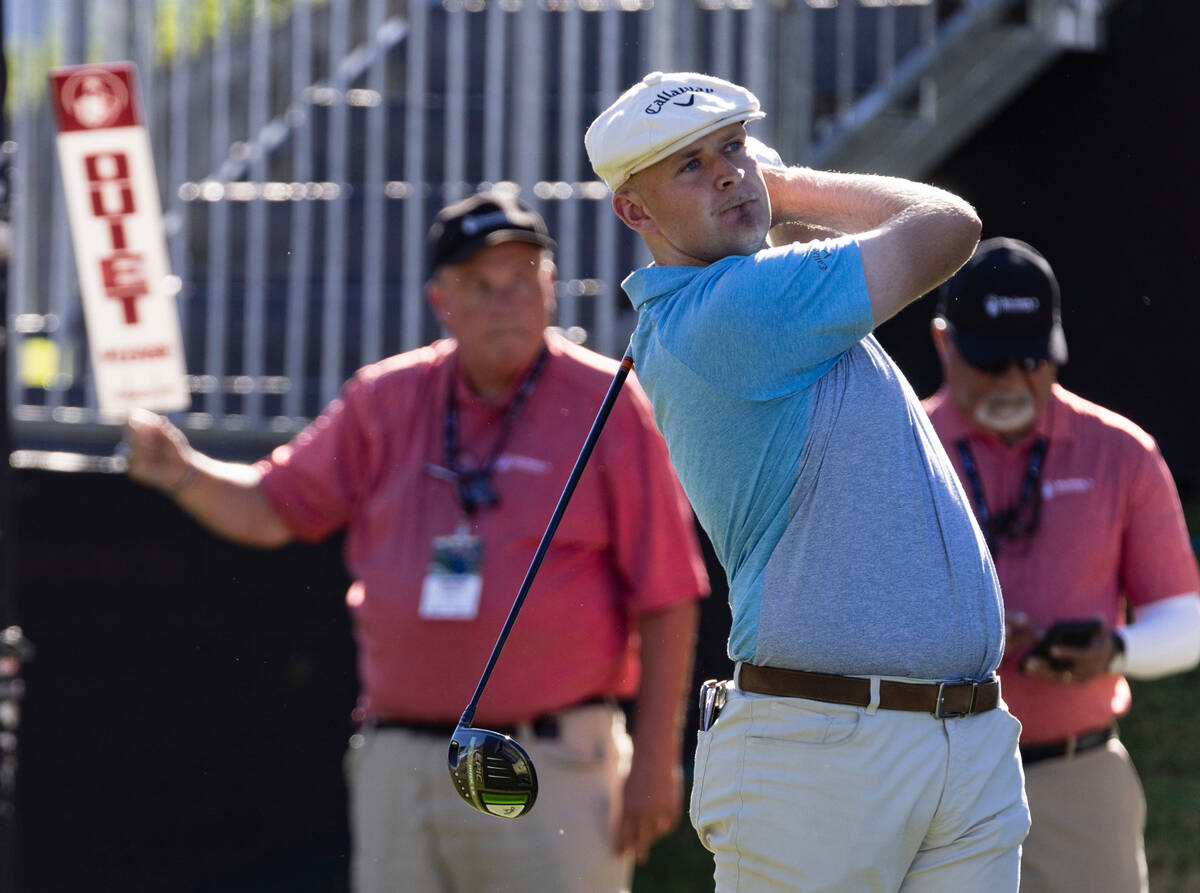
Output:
x,y
120,248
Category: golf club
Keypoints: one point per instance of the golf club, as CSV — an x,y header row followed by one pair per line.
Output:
x,y
490,770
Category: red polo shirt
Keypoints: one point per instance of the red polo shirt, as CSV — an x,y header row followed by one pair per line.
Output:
x,y
626,544
1111,532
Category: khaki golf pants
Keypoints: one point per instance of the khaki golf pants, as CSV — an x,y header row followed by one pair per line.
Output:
x,y
412,834
800,796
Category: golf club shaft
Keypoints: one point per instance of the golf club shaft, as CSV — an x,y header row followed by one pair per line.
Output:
x,y
593,435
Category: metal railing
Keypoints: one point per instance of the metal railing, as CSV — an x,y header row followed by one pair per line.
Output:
x,y
303,147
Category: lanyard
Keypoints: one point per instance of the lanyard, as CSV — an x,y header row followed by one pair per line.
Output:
x,y
475,489
1007,523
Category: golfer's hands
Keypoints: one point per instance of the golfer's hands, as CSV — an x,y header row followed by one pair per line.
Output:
x,y
651,804
788,223
158,453
1087,662
763,155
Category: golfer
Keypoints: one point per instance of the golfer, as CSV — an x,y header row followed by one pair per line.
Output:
x,y
863,744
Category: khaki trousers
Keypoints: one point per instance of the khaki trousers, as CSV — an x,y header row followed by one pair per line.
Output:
x,y
1088,813
412,834
800,796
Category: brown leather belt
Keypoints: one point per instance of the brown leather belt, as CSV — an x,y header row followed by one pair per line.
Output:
x,y
942,699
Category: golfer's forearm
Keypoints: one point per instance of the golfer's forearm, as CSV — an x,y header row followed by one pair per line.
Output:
x,y
851,203
227,499
667,649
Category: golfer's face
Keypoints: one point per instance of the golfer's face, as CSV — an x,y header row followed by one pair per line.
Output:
x,y
708,200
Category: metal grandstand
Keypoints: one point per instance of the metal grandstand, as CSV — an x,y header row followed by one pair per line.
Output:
x,y
302,147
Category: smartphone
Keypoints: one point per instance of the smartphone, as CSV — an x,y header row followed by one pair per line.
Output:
x,y
1076,633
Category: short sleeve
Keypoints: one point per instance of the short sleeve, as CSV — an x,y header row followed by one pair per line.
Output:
x,y
765,325
1157,560
314,481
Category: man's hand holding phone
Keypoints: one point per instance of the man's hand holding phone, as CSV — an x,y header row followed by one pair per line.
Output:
x,y
1071,651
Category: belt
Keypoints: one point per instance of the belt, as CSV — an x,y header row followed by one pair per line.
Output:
x,y
942,699
1068,747
544,726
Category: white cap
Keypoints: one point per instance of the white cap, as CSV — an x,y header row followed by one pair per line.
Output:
x,y
661,115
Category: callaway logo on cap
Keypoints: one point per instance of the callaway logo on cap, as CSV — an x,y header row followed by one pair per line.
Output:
x,y
684,97
659,116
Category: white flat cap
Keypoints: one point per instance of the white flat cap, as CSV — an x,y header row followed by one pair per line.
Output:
x,y
661,115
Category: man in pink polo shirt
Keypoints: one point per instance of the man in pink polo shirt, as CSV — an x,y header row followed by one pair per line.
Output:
x,y
444,465
1084,523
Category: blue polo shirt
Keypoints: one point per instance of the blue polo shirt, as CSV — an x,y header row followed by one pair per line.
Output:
x,y
848,542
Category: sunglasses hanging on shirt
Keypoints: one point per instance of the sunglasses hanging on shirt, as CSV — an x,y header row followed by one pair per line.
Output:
x,y
1015,521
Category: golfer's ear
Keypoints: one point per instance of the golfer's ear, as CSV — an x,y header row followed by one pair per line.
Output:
x,y
632,213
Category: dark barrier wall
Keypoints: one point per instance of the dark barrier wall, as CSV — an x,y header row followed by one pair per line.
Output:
x,y
189,704
1095,166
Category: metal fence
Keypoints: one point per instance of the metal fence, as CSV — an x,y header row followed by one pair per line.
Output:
x,y
302,148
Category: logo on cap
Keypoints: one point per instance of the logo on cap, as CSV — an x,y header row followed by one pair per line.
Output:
x,y
480,222
994,305
666,96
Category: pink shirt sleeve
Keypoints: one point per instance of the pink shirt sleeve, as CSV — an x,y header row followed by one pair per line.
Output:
x,y
313,480
1157,561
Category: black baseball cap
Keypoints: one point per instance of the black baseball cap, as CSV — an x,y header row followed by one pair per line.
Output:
x,y
486,218
1004,305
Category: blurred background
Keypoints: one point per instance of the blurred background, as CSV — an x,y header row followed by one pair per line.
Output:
x,y
174,717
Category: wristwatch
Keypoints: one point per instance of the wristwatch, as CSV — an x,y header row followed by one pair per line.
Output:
x,y
1117,664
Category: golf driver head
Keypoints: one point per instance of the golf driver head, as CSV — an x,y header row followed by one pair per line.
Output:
x,y
492,772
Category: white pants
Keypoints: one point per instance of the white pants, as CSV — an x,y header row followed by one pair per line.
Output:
x,y
1088,816
797,795
412,834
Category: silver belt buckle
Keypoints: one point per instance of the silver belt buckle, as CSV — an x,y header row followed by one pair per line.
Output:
x,y
939,713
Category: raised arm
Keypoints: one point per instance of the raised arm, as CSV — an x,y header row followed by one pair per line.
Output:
x,y
225,497
913,236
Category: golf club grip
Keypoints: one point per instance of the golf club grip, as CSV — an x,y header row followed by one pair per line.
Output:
x,y
585,453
